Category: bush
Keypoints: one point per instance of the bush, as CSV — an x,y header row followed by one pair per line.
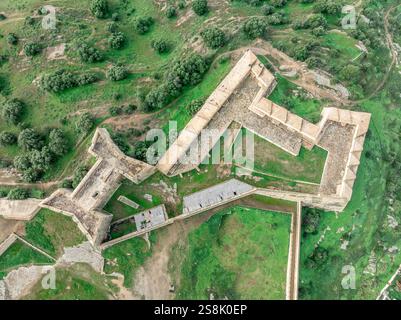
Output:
x,y
267,10
112,27
181,4
2,17
79,174
18,194
12,111
117,73
7,138
32,49
85,123
194,106
66,184
328,7
116,40
318,258
22,162
88,53
278,18
40,160
143,24
278,3
58,143
310,220
315,21
213,37
140,150
99,8
62,79
171,12
160,46
184,72
255,27
200,7
29,139
12,39
156,99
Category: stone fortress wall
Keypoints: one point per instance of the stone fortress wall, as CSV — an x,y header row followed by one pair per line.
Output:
x,y
239,98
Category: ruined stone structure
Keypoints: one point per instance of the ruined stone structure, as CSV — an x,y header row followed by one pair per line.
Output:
x,y
85,203
241,98
239,101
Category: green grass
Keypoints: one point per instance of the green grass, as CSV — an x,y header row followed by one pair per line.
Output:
x,y
18,255
238,253
363,223
272,160
126,257
302,105
53,231
343,43
78,282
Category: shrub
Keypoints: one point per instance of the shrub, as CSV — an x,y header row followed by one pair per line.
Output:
x,y
115,111
267,10
184,72
29,139
277,18
156,99
2,17
88,53
143,24
112,27
62,79
116,40
181,4
194,106
278,3
12,111
115,16
22,162
58,143
7,138
85,123
171,12
117,73
255,27
328,7
66,184
213,37
18,194
315,21
160,46
200,7
12,39
32,49
79,174
40,160
99,8
310,220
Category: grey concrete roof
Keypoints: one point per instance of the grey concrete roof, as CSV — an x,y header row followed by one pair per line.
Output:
x,y
214,195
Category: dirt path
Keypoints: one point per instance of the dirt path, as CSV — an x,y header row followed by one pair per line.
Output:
x,y
7,227
153,279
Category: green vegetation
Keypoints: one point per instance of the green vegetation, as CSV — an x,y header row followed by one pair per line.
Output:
x,y
52,232
272,160
19,254
238,253
296,99
78,282
127,257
